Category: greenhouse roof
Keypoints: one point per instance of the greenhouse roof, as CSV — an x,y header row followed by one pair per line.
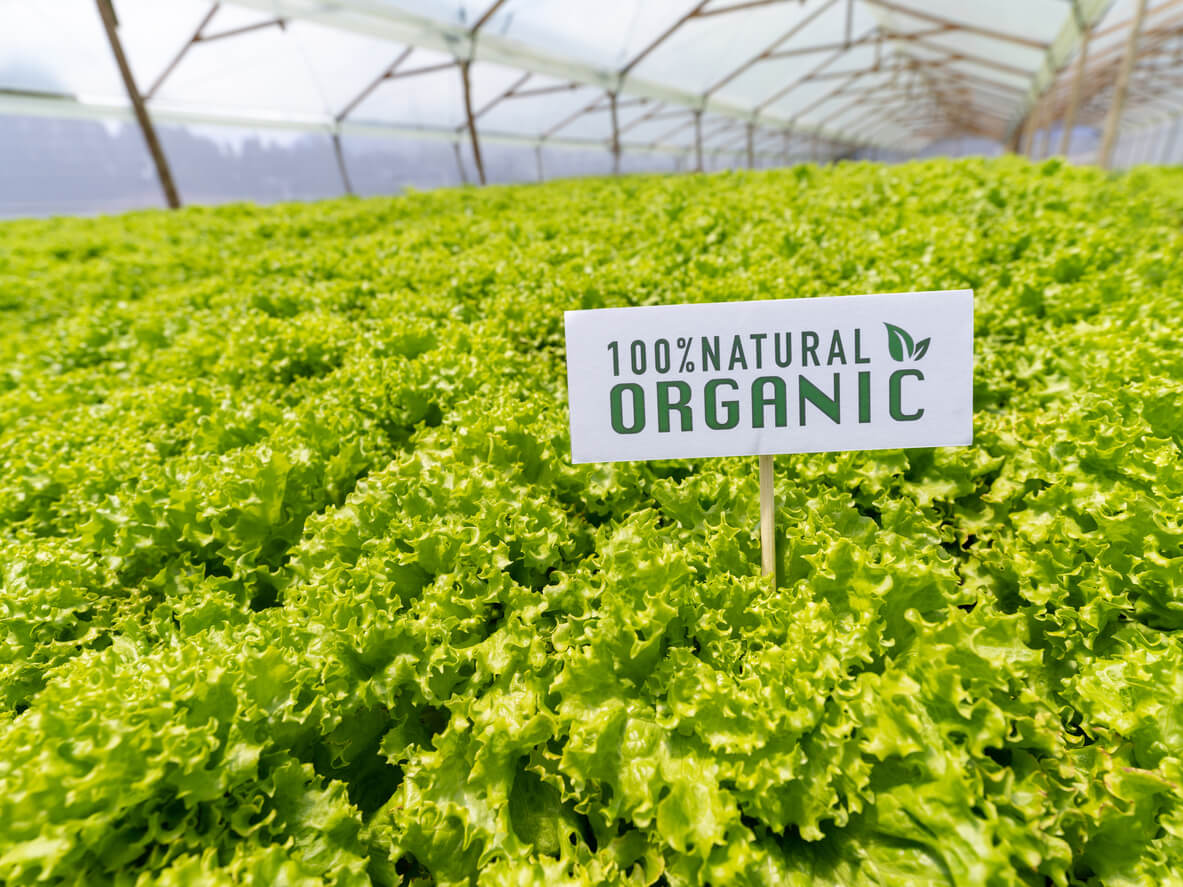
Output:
x,y
663,75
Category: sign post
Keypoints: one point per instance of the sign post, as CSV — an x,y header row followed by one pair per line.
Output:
x,y
767,518
779,376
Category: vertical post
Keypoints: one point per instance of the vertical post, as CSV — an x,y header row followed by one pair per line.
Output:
x,y
1015,140
1043,143
538,160
767,519
1035,123
1074,96
1113,120
788,153
341,163
460,163
1028,131
111,26
1168,147
698,140
751,145
476,142
615,134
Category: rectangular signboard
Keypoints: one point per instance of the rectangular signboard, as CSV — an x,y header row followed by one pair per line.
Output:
x,y
785,376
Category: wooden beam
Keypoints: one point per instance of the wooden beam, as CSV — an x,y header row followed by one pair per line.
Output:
x,y
489,13
736,7
653,44
767,52
817,69
245,29
961,55
502,96
963,26
1124,24
374,84
1123,78
654,114
189,44
425,69
677,129
877,37
548,90
571,118
853,78
1099,77
979,82
163,172
466,82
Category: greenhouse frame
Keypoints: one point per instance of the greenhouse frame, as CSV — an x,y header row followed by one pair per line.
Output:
x,y
686,85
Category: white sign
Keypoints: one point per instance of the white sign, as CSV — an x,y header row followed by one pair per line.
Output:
x,y
786,376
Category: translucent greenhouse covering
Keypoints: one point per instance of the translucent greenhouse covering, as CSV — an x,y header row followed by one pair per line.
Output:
x,y
510,89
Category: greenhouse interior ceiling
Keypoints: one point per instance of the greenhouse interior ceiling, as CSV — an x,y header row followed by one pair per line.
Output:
x,y
675,84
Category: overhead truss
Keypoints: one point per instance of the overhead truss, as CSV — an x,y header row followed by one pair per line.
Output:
x,y
912,76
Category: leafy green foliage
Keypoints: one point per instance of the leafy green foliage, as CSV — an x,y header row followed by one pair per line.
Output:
x,y
299,586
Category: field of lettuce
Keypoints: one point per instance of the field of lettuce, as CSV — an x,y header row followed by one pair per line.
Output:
x,y
298,585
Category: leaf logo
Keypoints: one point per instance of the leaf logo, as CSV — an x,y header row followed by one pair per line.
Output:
x,y
901,346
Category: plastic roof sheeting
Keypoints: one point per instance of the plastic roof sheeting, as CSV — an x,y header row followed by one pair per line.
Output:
x,y
890,73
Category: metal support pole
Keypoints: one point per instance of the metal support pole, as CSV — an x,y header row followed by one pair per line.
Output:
x,y
111,26
615,134
1074,96
466,81
751,140
698,141
341,163
788,153
1168,147
1113,120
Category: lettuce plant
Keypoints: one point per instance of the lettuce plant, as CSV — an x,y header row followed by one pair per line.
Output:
x,y
298,584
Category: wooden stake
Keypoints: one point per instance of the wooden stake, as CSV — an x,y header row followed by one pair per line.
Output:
x,y
767,519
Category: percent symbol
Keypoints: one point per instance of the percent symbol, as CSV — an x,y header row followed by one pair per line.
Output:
x,y
686,365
